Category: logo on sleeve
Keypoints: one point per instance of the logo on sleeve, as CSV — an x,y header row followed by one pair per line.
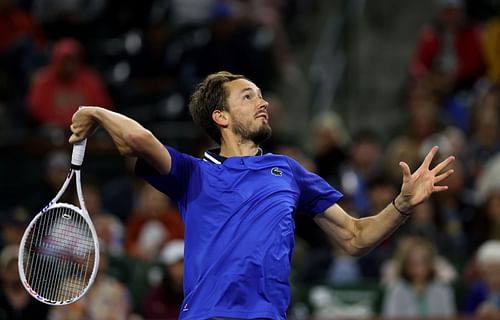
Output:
x,y
276,171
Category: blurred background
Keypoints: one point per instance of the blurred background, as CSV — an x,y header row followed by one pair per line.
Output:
x,y
354,87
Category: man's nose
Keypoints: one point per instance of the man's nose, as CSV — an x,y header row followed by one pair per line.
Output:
x,y
263,104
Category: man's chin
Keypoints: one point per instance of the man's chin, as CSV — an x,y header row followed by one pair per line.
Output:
x,y
262,135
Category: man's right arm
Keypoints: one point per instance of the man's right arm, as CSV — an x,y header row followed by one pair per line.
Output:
x,y
129,136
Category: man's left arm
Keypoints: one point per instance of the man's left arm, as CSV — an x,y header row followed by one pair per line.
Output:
x,y
358,236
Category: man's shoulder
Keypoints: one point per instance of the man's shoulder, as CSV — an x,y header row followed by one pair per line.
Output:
x,y
277,157
274,159
175,153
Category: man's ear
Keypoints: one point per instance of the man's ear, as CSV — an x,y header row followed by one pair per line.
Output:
x,y
221,118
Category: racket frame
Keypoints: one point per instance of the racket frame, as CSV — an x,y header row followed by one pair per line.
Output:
x,y
76,161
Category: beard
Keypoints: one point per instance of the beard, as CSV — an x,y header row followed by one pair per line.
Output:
x,y
257,136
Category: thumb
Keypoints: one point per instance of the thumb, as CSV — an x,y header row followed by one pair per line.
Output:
x,y
74,138
405,169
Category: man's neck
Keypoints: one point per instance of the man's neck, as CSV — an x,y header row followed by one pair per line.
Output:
x,y
238,149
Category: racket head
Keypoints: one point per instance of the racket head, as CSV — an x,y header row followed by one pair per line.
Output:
x,y
59,254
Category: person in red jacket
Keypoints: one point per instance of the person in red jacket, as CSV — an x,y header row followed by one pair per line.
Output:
x,y
66,83
451,46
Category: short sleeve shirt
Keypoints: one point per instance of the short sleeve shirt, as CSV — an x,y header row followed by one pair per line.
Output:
x,y
239,229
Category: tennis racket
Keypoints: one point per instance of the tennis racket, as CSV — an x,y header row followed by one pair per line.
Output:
x,y
59,251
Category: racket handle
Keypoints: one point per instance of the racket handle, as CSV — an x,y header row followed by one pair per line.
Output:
x,y
78,153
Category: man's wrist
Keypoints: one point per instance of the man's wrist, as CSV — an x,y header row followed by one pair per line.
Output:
x,y
402,206
93,112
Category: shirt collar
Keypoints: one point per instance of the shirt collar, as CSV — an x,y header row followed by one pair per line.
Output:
x,y
213,156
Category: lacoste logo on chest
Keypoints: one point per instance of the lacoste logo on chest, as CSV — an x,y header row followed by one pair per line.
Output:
x,y
277,172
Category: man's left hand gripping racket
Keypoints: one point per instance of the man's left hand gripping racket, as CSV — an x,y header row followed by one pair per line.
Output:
x,y
59,251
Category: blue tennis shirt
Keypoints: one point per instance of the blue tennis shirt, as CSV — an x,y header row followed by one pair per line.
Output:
x,y
239,229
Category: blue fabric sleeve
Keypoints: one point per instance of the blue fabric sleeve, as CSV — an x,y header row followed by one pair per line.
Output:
x,y
175,183
316,195
476,295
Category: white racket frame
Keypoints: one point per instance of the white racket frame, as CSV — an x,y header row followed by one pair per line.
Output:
x,y
76,162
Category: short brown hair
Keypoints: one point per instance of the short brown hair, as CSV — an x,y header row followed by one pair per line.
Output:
x,y
210,95
404,250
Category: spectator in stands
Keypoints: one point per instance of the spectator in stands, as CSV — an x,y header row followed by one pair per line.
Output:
x,y
445,232
57,165
152,225
452,212
21,45
330,141
488,199
364,163
483,297
15,302
390,273
13,222
457,211
423,121
418,293
59,89
449,48
109,228
164,301
380,189
484,140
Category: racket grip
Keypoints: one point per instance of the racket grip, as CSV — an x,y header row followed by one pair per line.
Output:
x,y
78,153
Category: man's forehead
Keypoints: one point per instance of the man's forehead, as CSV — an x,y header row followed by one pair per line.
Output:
x,y
238,85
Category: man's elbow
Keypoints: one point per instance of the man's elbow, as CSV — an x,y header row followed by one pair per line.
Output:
x,y
357,250
135,142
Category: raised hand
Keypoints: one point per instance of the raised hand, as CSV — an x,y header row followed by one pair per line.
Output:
x,y
83,124
419,185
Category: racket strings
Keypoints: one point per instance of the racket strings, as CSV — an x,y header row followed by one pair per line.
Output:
x,y
59,254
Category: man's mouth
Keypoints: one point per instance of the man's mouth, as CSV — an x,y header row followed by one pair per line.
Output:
x,y
262,115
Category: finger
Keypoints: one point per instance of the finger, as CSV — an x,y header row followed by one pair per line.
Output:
x,y
439,188
443,164
428,158
443,176
406,170
74,138
75,115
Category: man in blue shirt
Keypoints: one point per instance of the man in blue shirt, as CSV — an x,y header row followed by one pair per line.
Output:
x,y
237,204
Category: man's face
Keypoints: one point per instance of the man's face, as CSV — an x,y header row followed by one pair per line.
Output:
x,y
68,67
491,274
248,114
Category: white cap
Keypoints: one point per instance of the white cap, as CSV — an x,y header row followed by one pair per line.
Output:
x,y
489,252
172,252
488,182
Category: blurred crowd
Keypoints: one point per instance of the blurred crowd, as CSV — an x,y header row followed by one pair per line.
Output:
x,y
57,55
444,261
144,57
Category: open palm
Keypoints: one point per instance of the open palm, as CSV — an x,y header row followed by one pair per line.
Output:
x,y
419,185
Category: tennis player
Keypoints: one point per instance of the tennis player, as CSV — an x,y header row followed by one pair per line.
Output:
x,y
237,203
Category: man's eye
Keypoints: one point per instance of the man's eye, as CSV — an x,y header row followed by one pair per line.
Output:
x,y
247,97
